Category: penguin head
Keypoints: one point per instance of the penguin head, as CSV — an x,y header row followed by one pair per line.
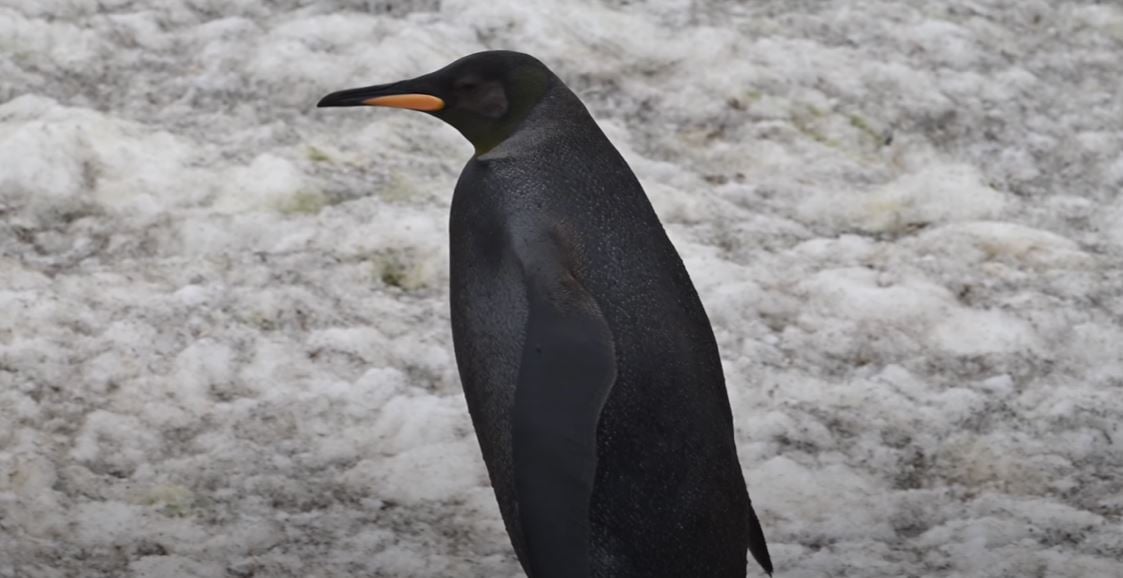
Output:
x,y
485,95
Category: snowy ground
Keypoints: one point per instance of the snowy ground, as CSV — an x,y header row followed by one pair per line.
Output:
x,y
224,337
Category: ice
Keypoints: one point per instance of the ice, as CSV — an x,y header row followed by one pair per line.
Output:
x,y
224,328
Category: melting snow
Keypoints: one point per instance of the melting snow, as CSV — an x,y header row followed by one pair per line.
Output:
x,y
224,337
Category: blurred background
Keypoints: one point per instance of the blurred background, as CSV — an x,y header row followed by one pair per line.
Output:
x,y
224,337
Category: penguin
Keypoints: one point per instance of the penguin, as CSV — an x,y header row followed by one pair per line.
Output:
x,y
588,363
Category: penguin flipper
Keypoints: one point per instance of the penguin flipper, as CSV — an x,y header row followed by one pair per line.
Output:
x,y
568,368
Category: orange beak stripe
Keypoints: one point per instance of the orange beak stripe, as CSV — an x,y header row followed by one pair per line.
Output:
x,y
424,102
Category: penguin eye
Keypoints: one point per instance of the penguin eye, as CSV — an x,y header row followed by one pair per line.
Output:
x,y
467,85
484,97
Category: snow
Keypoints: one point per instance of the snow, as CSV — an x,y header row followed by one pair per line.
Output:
x,y
224,335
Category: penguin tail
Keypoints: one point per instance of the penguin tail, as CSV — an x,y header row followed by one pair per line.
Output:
x,y
757,545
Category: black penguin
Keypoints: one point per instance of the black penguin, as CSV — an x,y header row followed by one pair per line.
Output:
x,y
590,369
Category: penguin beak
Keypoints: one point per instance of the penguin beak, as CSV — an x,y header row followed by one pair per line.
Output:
x,y
397,95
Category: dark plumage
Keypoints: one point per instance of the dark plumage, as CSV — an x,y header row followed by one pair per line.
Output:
x,y
589,365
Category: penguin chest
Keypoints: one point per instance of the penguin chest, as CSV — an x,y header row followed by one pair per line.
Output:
x,y
489,313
